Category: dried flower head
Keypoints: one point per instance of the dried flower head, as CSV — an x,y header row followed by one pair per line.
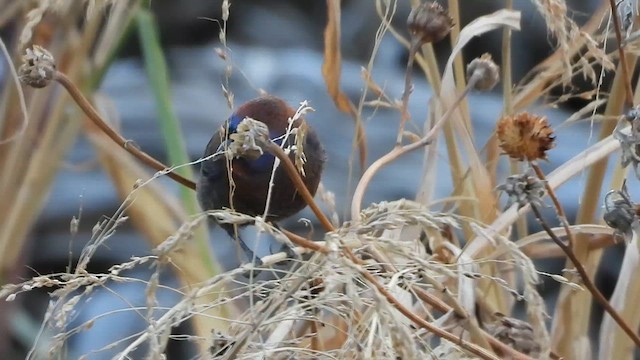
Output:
x,y
429,22
630,143
300,159
244,142
620,212
38,67
523,189
515,333
484,73
525,136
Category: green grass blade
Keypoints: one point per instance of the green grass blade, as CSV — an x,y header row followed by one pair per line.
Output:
x,y
158,74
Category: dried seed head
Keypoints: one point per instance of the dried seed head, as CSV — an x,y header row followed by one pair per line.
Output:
x,y
244,142
523,189
620,212
515,333
429,22
630,143
633,114
38,67
525,136
484,72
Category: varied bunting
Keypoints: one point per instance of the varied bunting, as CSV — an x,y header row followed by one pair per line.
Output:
x,y
251,177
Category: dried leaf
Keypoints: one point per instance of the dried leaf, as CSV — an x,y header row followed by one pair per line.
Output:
x,y
331,71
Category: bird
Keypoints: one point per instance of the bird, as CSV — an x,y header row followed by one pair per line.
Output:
x,y
251,176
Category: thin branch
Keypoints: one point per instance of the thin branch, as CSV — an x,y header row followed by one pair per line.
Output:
x,y
93,115
472,348
585,278
408,88
398,151
291,170
305,243
556,202
623,58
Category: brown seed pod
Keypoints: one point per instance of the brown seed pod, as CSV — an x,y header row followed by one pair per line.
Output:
x,y
429,22
525,136
38,67
485,72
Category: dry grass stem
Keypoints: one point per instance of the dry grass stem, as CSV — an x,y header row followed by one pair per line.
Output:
x,y
441,275
93,115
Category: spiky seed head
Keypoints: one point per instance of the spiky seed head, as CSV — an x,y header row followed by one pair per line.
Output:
x,y
525,136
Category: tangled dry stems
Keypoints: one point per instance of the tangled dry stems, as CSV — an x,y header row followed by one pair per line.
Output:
x,y
347,294
365,289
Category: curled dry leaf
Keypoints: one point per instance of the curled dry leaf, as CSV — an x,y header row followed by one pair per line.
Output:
x,y
331,71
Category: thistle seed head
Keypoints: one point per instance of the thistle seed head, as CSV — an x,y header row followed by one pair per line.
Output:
x,y
525,136
429,22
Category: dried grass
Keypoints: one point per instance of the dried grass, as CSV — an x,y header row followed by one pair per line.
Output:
x,y
396,280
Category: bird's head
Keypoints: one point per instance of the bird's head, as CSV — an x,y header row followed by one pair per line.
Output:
x,y
272,112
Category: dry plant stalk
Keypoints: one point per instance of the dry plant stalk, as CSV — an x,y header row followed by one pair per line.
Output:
x,y
369,286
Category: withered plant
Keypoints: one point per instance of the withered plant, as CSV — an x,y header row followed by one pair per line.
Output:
x,y
403,279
